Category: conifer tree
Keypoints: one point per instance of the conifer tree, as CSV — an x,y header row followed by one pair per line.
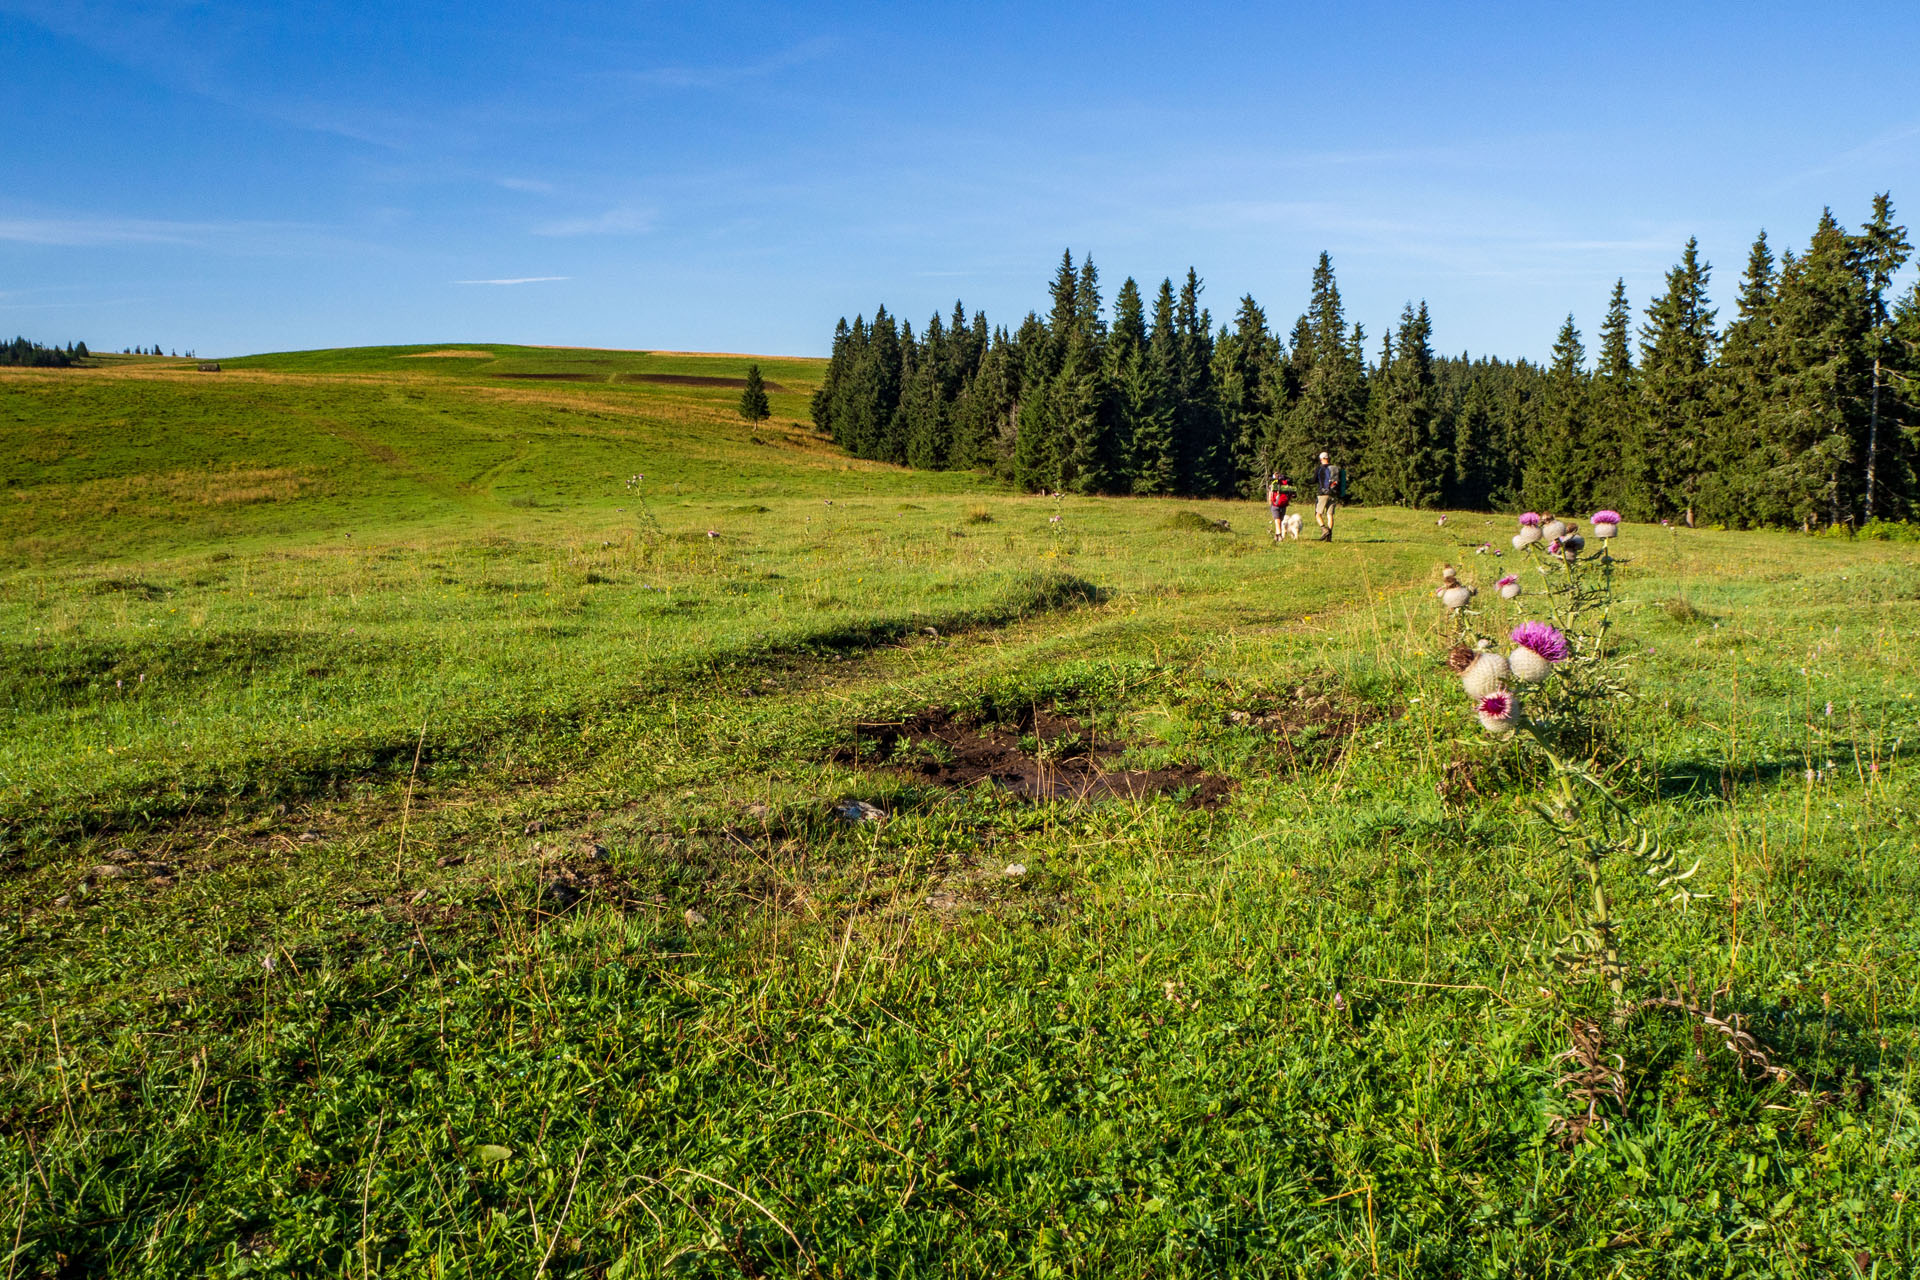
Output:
x,y
1883,250
1612,442
1555,479
1676,345
1152,400
1735,452
1126,357
1246,371
1900,460
1196,416
753,398
1036,463
1404,460
1815,419
1332,402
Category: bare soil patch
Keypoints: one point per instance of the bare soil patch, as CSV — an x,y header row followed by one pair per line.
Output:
x,y
1043,756
694,380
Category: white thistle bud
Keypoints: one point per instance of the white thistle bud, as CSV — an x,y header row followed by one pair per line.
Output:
x,y
1486,675
1528,666
1456,596
1553,528
1605,530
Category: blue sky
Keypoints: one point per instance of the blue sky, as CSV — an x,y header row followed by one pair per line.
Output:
x,y
235,178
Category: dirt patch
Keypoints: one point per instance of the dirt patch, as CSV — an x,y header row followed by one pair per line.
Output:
x,y
1043,756
449,354
694,380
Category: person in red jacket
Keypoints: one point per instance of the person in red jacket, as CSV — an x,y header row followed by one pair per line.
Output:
x,y
1279,494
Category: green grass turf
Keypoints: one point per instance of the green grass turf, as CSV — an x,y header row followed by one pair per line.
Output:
x,y
487,910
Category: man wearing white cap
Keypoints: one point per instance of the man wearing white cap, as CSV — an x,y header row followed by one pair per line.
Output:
x,y
1327,483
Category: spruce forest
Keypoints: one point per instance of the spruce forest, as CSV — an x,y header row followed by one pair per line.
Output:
x,y
1803,409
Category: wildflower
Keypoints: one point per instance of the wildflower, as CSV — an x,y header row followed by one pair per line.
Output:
x,y
1537,646
1529,531
1531,520
1498,711
1606,523
1509,587
1455,596
1485,676
713,533
1553,527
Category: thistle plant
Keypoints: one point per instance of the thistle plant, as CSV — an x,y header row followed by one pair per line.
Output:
x,y
1556,690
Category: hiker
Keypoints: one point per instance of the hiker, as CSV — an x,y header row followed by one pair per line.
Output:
x,y
1329,484
1279,495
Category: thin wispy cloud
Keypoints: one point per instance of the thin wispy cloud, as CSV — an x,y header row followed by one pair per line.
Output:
x,y
720,77
517,280
623,221
87,233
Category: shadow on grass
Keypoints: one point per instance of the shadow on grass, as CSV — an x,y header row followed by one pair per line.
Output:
x,y
551,735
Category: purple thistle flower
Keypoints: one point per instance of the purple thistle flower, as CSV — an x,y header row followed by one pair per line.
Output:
x,y
1507,581
1543,639
1606,516
1531,520
1498,704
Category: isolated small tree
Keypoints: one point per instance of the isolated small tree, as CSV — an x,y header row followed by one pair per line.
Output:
x,y
753,398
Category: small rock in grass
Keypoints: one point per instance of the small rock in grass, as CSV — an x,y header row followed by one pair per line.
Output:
x,y
450,860
534,828
859,811
1015,870
693,917
64,900
558,895
598,853
107,871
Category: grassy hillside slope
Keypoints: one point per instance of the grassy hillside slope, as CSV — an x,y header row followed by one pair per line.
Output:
x,y
425,849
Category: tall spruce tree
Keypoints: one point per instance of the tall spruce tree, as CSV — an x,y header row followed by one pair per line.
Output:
x,y
1612,439
1815,420
1126,355
1081,413
1333,395
1736,454
1676,391
1246,371
1883,250
1196,418
1405,461
1154,458
1900,463
1555,478
1036,462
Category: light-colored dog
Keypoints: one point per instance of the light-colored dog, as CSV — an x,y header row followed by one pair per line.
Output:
x,y
1290,526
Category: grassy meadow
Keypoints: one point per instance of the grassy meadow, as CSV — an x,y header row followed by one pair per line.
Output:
x,y
484,810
